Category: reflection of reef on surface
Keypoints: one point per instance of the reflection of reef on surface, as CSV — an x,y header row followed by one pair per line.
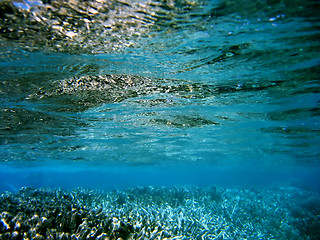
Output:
x,y
86,26
81,93
24,125
112,25
94,90
183,121
178,213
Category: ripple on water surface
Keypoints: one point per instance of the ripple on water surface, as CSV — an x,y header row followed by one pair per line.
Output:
x,y
208,81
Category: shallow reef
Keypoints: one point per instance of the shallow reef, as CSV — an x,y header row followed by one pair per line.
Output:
x,y
180,212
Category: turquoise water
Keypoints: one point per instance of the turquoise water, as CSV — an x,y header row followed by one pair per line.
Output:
x,y
180,119
159,93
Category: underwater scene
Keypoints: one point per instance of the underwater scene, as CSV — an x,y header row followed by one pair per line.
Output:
x,y
160,119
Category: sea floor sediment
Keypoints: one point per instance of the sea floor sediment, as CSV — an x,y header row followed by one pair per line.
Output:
x,y
180,212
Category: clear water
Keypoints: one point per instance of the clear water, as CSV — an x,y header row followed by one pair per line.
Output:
x,y
190,92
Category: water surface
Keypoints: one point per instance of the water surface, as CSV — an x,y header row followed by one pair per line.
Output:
x,y
221,92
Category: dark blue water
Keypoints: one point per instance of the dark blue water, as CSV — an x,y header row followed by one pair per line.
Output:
x,y
114,94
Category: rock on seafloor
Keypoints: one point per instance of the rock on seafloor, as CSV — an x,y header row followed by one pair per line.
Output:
x,y
160,213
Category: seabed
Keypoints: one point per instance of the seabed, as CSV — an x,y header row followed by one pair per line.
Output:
x,y
179,212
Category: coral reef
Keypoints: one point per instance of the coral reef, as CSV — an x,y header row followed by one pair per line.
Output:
x,y
160,213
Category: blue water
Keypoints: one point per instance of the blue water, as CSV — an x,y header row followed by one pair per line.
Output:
x,y
223,93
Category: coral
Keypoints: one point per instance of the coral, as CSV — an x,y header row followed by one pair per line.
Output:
x,y
160,213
